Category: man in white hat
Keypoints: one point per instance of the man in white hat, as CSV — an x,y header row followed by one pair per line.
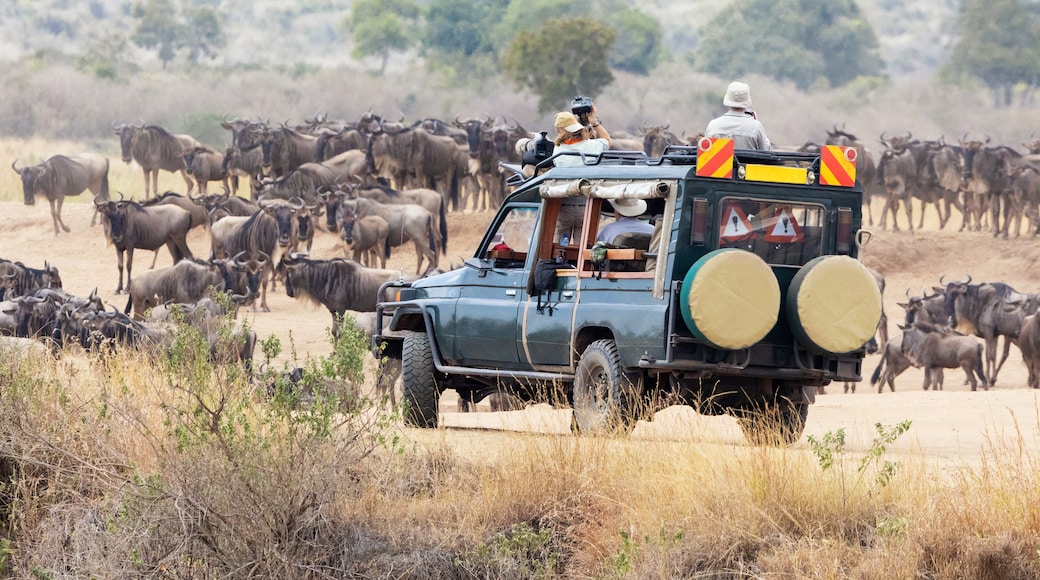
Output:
x,y
739,123
626,212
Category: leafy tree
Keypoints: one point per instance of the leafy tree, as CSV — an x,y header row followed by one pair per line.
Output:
x,y
462,27
381,27
528,15
156,29
563,58
798,40
637,48
162,27
999,44
203,34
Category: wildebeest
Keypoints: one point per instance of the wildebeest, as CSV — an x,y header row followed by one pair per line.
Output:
x,y
228,204
988,168
133,226
61,176
17,279
283,150
237,163
988,310
1024,198
306,218
933,348
412,155
205,164
331,143
427,198
258,236
866,168
407,223
366,239
303,182
892,364
154,149
897,174
189,281
339,285
656,138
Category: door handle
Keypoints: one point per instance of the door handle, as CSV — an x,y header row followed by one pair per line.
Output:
x,y
510,292
568,294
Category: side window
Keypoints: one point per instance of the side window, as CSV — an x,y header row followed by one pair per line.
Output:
x,y
511,241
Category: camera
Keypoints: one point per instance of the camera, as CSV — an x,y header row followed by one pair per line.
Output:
x,y
581,107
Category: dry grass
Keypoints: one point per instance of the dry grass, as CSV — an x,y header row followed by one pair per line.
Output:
x,y
116,470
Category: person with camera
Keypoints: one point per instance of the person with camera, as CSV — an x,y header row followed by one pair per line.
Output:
x,y
739,122
578,130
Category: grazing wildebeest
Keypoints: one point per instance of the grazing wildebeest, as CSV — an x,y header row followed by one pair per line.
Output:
x,y
154,149
338,284
989,311
897,174
932,348
133,226
205,164
366,239
61,176
407,223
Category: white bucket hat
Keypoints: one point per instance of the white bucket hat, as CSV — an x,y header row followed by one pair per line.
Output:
x,y
629,207
738,95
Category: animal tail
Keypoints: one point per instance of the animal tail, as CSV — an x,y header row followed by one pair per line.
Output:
x,y
453,193
874,378
444,219
978,367
129,303
386,248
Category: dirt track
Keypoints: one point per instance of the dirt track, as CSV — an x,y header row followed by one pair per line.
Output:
x,y
948,427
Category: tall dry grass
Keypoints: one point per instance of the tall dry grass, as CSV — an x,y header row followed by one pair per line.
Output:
x,y
170,467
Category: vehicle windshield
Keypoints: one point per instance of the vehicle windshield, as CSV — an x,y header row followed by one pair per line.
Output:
x,y
780,232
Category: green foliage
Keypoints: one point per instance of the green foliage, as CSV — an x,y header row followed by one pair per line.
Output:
x,y
381,27
637,48
802,41
462,28
523,552
563,58
527,16
160,26
830,451
999,44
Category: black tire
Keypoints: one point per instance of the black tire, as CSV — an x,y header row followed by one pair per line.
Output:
x,y
777,424
604,396
419,390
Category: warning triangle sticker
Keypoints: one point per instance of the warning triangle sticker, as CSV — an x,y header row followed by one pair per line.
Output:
x,y
785,229
735,225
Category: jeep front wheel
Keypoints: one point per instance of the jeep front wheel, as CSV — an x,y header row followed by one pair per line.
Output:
x,y
780,423
604,395
419,390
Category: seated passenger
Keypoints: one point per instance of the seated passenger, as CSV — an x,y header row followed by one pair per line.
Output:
x,y
626,212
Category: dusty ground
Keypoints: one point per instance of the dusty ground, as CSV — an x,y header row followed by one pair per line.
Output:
x,y
949,427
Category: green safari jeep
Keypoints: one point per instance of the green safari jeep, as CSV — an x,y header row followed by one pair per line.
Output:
x,y
745,298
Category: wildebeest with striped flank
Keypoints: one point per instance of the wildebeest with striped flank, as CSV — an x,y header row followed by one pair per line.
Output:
x,y
338,284
17,279
190,281
133,226
61,176
935,348
154,149
205,164
283,150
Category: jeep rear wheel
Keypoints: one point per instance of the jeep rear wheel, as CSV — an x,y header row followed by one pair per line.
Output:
x,y
419,389
604,395
780,423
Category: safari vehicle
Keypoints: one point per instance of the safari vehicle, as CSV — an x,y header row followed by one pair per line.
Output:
x,y
747,296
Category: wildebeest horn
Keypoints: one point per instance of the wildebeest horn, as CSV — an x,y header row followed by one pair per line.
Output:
x,y
237,260
909,135
941,279
457,121
18,171
908,293
968,281
882,139
298,206
101,203
266,256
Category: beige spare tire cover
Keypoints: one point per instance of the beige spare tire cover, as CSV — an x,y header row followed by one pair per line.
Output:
x,y
833,304
730,299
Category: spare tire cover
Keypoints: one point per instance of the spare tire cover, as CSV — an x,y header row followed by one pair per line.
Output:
x,y
833,304
730,299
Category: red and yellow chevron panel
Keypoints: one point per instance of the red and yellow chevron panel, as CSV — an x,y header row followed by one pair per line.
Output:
x,y
715,158
838,166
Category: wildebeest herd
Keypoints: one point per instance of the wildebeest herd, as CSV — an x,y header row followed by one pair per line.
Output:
x,y
380,184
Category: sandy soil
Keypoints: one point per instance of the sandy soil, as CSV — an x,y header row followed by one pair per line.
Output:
x,y
950,427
